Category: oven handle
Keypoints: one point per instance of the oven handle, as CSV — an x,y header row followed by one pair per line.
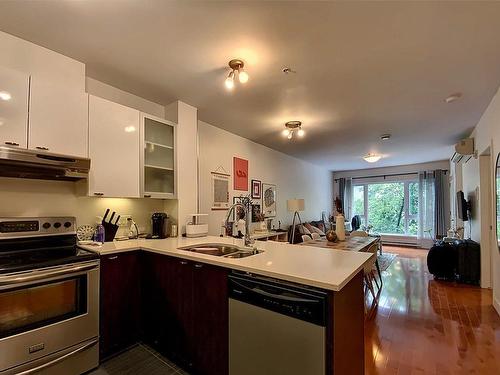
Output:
x,y
41,275
59,359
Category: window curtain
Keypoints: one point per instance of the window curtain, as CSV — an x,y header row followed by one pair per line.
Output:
x,y
440,201
426,209
342,192
348,199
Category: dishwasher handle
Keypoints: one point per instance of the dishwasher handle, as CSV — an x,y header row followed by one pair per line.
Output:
x,y
264,293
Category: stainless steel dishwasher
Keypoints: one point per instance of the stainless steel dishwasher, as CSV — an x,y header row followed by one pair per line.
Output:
x,y
275,327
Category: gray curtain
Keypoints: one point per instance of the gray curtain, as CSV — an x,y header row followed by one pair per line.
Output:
x,y
439,203
342,192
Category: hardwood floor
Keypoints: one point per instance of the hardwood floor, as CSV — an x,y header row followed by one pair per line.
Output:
x,y
423,326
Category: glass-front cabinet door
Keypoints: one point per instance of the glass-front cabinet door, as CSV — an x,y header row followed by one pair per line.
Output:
x,y
158,160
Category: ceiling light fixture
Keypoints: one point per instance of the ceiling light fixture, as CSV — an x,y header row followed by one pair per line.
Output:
x,y
236,66
292,127
372,158
385,137
453,97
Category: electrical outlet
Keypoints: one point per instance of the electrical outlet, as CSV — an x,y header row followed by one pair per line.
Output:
x,y
123,220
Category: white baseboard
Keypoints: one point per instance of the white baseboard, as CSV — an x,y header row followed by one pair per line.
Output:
x,y
496,305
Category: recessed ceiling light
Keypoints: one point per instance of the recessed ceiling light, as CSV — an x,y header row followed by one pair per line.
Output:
x,y
385,137
372,158
453,97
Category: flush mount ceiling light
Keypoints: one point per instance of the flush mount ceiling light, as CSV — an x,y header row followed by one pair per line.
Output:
x,y
372,158
453,97
236,66
292,127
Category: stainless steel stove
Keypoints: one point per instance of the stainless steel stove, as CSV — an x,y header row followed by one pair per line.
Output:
x,y
49,298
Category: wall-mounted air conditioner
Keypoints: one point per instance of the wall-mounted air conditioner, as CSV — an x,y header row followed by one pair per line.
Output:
x,y
463,151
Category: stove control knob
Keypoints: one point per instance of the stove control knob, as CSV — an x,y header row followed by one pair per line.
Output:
x,y
67,224
57,225
46,225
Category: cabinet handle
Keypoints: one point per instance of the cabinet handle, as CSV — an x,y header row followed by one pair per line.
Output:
x,y
183,262
113,257
42,148
12,143
198,265
147,195
99,194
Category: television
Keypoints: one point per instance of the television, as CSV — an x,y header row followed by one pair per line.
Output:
x,y
462,206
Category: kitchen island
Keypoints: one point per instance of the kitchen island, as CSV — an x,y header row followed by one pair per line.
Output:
x,y
180,298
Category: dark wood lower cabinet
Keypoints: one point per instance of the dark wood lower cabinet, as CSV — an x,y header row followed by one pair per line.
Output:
x,y
120,301
185,312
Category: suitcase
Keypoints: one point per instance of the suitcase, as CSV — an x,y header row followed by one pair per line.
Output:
x,y
469,262
442,260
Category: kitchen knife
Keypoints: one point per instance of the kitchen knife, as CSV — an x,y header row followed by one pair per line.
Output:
x,y
111,218
105,215
117,220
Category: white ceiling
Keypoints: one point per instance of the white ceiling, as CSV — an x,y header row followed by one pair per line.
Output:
x,y
363,68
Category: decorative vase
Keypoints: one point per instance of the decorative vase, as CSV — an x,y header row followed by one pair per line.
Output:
x,y
263,226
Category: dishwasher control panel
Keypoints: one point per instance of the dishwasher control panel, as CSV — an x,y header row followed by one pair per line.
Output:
x,y
282,297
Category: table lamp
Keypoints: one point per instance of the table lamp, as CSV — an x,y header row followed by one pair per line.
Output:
x,y
295,205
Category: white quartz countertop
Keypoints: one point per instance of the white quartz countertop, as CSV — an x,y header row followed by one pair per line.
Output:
x,y
309,265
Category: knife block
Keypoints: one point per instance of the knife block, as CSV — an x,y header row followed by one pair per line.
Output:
x,y
109,231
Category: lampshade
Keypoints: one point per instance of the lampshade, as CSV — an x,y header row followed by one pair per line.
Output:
x,y
295,205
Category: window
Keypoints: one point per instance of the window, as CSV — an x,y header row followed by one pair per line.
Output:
x,y
389,207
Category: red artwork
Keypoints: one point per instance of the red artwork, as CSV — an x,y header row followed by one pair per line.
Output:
x,y
240,170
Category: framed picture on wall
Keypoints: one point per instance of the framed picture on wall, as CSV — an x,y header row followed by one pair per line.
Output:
x,y
255,212
240,174
220,191
269,200
256,189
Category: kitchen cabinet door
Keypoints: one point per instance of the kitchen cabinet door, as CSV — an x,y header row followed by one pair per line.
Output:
x,y
158,157
210,335
113,149
167,301
119,302
14,90
58,120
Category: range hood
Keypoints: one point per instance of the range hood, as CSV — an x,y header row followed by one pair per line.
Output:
x,y
23,163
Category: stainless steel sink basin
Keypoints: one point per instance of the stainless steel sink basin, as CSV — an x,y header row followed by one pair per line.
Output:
x,y
221,250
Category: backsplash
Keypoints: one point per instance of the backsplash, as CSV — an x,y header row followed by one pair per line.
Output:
x,y
22,197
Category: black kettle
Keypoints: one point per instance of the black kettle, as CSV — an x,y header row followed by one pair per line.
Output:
x,y
159,223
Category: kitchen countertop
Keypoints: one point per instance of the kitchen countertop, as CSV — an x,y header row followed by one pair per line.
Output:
x,y
309,265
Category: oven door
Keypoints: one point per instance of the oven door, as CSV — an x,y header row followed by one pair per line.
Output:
x,y
46,311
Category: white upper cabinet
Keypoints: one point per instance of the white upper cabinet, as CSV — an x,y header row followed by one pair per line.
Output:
x,y
113,149
58,120
14,89
158,157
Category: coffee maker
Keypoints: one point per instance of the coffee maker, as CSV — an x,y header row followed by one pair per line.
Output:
x,y
159,223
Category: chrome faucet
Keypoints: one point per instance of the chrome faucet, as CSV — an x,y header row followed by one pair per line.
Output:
x,y
248,240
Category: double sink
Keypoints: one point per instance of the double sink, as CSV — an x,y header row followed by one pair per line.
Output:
x,y
221,250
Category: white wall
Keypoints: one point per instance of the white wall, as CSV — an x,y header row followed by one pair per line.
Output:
x,y
20,197
486,135
294,178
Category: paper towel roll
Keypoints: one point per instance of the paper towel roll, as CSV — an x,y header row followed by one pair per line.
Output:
x,y
340,227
